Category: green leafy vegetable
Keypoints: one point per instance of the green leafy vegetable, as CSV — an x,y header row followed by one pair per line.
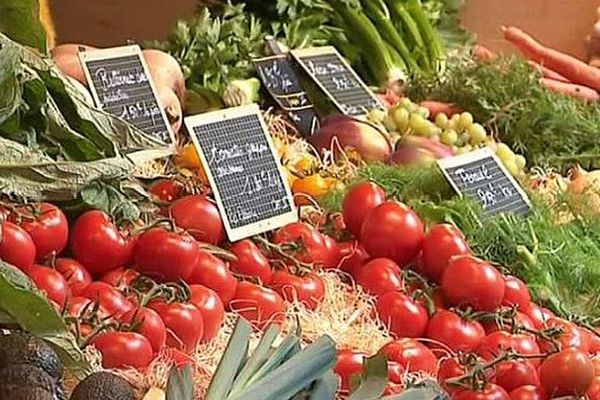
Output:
x,y
99,195
20,20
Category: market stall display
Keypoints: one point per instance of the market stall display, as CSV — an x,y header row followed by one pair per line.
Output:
x,y
361,204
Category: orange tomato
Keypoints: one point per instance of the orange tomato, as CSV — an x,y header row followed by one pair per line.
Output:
x,y
314,186
187,157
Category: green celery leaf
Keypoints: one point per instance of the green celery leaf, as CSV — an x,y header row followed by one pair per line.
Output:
x,y
181,384
374,379
20,20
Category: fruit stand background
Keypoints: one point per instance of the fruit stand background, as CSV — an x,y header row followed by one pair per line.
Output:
x,y
557,23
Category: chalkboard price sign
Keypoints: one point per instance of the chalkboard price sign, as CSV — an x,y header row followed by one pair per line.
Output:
x,y
481,176
120,83
243,169
337,80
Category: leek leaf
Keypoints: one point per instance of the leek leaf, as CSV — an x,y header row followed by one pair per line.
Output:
x,y
374,379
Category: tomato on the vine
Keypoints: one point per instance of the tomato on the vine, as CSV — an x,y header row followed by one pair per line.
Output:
x,y
441,243
214,273
167,189
51,282
77,277
303,242
570,337
359,200
455,332
516,293
250,261
148,323
469,281
404,316
257,304
353,257
98,244
123,349
348,364
184,323
107,297
489,392
519,321
498,342
515,373
47,226
528,392
308,289
200,217
411,355
121,278
569,372
450,368
166,255
593,393
333,254
210,305
380,276
394,231
536,315
16,246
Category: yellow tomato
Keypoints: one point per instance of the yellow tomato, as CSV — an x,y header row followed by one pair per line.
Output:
x,y
314,186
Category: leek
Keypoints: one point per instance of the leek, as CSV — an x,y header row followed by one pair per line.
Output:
x,y
430,35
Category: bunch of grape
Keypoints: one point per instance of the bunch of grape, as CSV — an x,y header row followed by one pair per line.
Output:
x,y
458,131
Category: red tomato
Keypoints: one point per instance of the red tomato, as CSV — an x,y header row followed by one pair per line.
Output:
x,y
334,253
167,189
438,299
307,243
411,355
77,277
210,305
16,246
469,281
515,373
308,289
520,320
354,256
148,323
593,393
404,316
51,282
528,392
47,226
490,392
496,343
250,261
200,217
184,322
98,244
593,340
567,373
394,231
84,308
380,276
121,278
571,337
165,255
257,304
359,200
441,243
515,293
348,364
450,368
455,332
108,297
213,273
536,315
395,372
123,349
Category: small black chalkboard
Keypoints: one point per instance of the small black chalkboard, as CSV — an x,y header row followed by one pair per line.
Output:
x,y
481,176
243,169
121,85
338,81
283,83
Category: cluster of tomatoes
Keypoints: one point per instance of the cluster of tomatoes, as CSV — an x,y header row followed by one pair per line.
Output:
x,y
457,317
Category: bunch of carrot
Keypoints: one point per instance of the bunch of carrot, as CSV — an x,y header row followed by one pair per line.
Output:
x,y
561,72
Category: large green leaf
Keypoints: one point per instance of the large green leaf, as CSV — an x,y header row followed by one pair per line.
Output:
x,y
20,20
10,90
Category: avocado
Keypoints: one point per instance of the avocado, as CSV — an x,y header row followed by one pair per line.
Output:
x,y
103,386
26,382
23,348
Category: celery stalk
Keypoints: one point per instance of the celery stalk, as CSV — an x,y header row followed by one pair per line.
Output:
x,y
403,20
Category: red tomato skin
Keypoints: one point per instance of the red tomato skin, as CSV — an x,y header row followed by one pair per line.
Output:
x,y
165,255
123,349
571,337
490,392
536,315
394,231
312,247
496,342
200,217
592,339
349,363
513,374
469,281
250,261
16,246
440,244
184,323
380,276
121,278
98,244
258,305
353,257
516,293
520,320
109,298
167,189
528,392
569,372
210,305
52,283
149,324
82,308
308,289
77,277
47,226
593,393
456,333
361,199
333,255
450,368
411,355
213,273
404,316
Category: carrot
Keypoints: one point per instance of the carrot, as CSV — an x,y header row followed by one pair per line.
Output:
x,y
482,53
571,89
570,67
548,73
438,107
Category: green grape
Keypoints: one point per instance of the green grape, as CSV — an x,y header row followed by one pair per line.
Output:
x,y
442,120
426,130
505,153
423,111
511,166
520,161
401,118
464,149
405,102
491,143
449,136
376,115
453,123
465,120
389,123
477,133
